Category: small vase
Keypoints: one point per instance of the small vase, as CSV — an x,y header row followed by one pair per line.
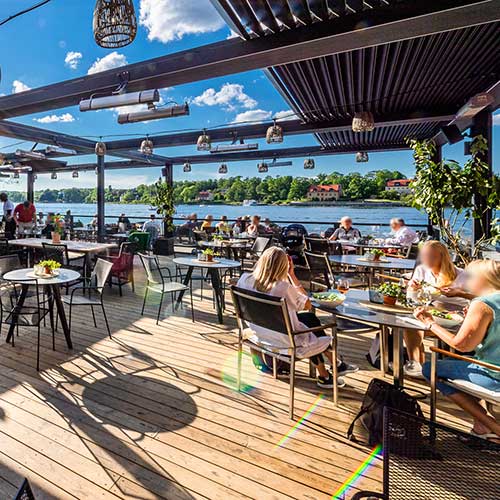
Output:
x,y
56,237
389,301
210,258
376,258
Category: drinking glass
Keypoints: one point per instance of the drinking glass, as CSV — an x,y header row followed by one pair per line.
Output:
x,y
343,285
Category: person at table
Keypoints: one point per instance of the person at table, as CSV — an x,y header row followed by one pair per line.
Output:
x,y
6,204
255,228
49,225
223,226
480,332
402,234
270,227
9,225
239,226
124,224
206,225
436,272
39,219
274,274
345,231
25,217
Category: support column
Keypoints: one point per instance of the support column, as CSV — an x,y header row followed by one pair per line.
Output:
x,y
30,187
101,229
482,125
436,158
168,174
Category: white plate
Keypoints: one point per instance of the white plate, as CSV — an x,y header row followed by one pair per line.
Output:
x,y
339,299
449,323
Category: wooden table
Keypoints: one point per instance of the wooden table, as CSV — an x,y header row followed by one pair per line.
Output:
x,y
213,271
52,287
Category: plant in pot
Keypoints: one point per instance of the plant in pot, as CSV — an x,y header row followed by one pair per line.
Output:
x,y
47,267
57,228
163,200
391,292
377,254
209,254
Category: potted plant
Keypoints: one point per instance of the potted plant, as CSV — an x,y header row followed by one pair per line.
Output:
x,y
377,254
391,292
58,228
163,200
48,267
209,254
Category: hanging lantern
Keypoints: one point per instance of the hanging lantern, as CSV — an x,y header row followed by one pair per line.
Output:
x,y
223,169
187,167
53,176
262,168
363,122
15,175
146,147
203,143
100,148
308,164
274,134
75,174
362,157
114,24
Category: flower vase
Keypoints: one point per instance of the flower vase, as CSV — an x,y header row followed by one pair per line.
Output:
x,y
56,237
389,301
210,258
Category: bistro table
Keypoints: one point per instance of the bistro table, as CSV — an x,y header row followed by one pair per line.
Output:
x,y
360,247
52,288
355,308
213,270
233,248
87,248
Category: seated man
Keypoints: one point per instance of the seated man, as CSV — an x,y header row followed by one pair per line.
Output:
x,y
345,231
403,235
255,228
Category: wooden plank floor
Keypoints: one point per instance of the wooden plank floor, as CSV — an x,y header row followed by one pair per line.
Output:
x,y
152,413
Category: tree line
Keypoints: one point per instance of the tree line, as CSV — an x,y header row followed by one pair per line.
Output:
x,y
279,189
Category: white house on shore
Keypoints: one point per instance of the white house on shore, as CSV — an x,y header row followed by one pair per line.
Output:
x,y
324,192
401,186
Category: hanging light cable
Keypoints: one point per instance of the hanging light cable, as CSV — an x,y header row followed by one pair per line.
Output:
x,y
114,23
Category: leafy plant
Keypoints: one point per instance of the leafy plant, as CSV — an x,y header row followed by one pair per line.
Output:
x,y
449,193
218,237
163,199
50,264
391,290
208,251
58,224
376,252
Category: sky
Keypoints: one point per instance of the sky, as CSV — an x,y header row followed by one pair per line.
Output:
x,y
56,43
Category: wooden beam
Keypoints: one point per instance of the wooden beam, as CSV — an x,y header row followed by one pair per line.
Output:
x,y
368,28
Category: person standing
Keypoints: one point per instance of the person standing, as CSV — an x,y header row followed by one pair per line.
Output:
x,y
25,217
6,204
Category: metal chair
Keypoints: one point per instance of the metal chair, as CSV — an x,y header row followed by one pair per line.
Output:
x,y
317,245
159,280
59,252
91,292
272,313
426,460
122,271
320,270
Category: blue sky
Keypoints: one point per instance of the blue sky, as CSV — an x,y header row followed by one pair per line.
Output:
x,y
55,43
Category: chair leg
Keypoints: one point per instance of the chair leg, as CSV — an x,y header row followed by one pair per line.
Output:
x,y
144,302
240,354
191,300
70,317
292,386
120,284
93,316
159,309
275,368
335,368
106,319
38,350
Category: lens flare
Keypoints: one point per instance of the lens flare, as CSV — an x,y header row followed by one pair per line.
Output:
x,y
250,376
351,480
300,422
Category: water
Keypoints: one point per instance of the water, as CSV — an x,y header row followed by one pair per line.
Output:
x,y
374,217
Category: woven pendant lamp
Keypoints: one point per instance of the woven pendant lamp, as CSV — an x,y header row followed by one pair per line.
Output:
x,y
114,24
361,157
363,122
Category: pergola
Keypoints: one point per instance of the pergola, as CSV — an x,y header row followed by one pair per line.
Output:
x,y
415,65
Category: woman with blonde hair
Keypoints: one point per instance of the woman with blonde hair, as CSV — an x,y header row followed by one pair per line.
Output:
x,y
274,274
480,332
436,270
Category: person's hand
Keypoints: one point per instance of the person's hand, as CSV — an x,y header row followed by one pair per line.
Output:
x,y
423,315
414,284
451,291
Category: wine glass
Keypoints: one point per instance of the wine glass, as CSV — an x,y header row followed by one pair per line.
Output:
x,y
424,297
343,285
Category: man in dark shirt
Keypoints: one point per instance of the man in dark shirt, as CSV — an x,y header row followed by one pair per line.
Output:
x,y
345,231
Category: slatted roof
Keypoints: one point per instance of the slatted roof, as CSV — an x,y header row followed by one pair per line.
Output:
x,y
432,72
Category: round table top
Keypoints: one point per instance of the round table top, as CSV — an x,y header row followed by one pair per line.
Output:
x,y
385,263
225,243
354,243
64,276
218,264
353,309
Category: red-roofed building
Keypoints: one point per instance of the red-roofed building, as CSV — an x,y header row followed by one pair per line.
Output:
x,y
324,192
205,196
401,186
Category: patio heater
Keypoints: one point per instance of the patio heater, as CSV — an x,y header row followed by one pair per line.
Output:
x,y
114,23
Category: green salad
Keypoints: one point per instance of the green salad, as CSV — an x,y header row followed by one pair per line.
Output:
x,y
441,314
327,296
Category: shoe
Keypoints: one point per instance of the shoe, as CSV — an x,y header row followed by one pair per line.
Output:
x,y
327,383
413,369
344,368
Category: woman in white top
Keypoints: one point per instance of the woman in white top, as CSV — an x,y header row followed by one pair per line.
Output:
x,y
437,270
274,274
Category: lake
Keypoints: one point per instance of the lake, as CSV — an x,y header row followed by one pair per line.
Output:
x,y
374,217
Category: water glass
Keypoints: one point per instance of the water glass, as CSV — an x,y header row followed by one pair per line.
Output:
x,y
343,285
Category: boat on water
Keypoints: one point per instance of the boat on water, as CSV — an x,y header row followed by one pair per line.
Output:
x,y
249,203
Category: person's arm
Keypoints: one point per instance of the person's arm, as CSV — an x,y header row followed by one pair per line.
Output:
x,y
471,333
335,235
456,291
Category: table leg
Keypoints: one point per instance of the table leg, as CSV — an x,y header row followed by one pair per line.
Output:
x,y
56,294
15,311
186,281
217,286
397,358
48,291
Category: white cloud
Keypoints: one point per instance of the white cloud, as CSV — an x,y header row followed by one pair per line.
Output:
x,y
230,96
72,59
254,115
18,86
285,115
167,20
64,118
496,119
112,60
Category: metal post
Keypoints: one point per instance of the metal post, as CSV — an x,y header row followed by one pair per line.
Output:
x,y
437,157
168,173
30,187
482,125
101,228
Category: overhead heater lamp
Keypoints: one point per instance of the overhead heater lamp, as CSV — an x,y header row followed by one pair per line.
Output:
x,y
60,151
233,148
117,100
35,155
154,113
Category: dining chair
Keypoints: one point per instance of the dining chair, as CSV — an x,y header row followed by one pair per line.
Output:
x,y
59,252
265,311
122,271
320,270
317,245
91,292
159,280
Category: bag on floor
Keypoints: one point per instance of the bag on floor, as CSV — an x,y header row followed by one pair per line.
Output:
x,y
381,394
264,363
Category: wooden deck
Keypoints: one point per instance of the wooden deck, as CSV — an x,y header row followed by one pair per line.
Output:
x,y
151,413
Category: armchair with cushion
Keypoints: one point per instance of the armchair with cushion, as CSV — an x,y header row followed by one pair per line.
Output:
x,y
122,271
